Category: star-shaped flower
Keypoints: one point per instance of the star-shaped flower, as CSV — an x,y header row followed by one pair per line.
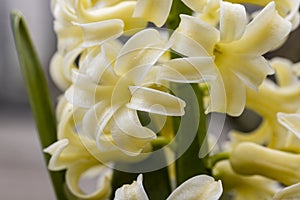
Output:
x,y
237,49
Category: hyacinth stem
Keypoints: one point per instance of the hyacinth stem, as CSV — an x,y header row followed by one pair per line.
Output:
x,y
37,90
156,183
188,164
217,158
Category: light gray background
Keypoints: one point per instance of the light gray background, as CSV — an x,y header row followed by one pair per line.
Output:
x,y
23,174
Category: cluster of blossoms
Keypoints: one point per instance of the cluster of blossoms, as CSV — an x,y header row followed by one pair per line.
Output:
x,y
108,84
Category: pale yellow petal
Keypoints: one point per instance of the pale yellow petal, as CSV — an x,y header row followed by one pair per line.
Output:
x,y
155,101
217,96
279,165
196,5
74,174
86,98
188,70
244,187
128,133
59,110
68,36
199,31
252,70
233,21
290,121
139,54
155,11
134,191
55,163
186,45
85,93
122,11
99,67
263,33
63,10
288,193
235,93
295,21
284,71
68,62
98,32
211,13
96,118
201,187
56,72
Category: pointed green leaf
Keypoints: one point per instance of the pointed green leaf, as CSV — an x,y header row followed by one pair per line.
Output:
x,y
37,91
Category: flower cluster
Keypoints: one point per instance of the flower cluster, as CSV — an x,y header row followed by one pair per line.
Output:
x,y
118,78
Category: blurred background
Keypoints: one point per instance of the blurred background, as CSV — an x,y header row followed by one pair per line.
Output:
x,y
23,174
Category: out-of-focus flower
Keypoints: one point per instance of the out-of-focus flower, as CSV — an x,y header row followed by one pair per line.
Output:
x,y
252,159
200,187
84,23
290,121
244,187
289,193
210,12
271,99
237,49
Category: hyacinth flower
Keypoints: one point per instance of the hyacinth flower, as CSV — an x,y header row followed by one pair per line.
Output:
x,y
114,83
252,159
270,100
109,86
241,187
200,187
83,24
291,192
237,49
69,154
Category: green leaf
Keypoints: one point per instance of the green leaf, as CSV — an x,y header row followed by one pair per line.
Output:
x,y
37,90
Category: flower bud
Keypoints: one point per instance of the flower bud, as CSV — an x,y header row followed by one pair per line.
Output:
x,y
249,159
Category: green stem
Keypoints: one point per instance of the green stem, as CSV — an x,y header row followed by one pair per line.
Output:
x,y
156,183
37,90
177,8
160,142
188,164
216,158
191,130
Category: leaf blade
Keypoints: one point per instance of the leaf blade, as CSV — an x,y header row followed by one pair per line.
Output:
x,y
38,94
